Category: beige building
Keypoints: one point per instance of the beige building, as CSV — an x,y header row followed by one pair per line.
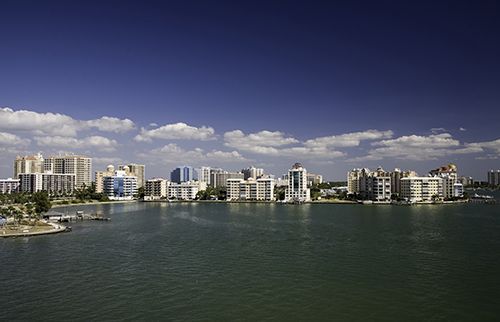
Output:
x,y
99,178
28,164
421,189
261,189
137,170
78,165
185,190
155,189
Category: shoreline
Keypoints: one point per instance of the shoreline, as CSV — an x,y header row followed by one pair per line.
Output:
x,y
56,228
93,203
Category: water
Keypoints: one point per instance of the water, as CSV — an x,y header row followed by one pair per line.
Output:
x,y
231,262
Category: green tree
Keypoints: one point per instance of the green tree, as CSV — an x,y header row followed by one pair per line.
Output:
x,y
42,202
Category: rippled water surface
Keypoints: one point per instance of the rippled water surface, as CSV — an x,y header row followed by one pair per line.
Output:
x,y
230,262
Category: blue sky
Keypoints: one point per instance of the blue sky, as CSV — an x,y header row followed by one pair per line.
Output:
x,y
334,86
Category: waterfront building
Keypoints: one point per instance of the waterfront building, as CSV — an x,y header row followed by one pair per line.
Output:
x,y
155,189
53,183
421,189
78,165
185,190
373,185
494,177
9,185
28,164
297,190
120,186
261,189
252,172
451,187
182,174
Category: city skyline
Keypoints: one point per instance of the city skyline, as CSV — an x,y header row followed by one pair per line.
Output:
x,y
333,86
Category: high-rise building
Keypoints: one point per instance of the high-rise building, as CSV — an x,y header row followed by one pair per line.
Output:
x,y
252,172
137,170
494,177
297,190
182,174
204,175
218,177
80,166
54,184
313,179
28,164
120,186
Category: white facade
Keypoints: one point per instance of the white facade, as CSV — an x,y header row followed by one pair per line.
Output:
x,y
9,185
204,174
261,189
155,189
421,189
120,186
297,190
185,190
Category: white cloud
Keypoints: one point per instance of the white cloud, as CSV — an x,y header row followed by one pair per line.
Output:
x,y
97,142
8,139
172,153
348,139
176,131
58,124
110,124
462,129
415,147
436,130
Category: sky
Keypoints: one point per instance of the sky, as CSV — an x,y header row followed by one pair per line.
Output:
x,y
333,85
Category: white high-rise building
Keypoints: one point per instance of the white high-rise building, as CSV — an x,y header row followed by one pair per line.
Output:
x,y
451,187
80,166
204,174
297,190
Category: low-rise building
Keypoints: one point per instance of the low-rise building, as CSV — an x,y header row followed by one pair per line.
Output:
x,y
421,189
120,186
261,189
9,185
155,189
185,190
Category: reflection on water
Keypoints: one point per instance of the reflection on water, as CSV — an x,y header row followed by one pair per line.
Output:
x,y
217,261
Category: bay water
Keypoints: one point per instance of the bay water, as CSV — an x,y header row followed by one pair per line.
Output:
x,y
254,262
